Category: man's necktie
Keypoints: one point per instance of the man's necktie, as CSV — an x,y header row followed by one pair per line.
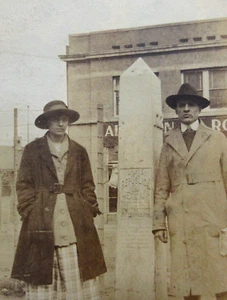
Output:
x,y
188,137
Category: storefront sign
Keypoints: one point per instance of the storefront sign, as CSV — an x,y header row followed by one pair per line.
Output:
x,y
111,129
215,122
110,134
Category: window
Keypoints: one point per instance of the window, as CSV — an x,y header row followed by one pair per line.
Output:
x,y
195,79
6,190
209,83
218,88
116,94
7,179
112,186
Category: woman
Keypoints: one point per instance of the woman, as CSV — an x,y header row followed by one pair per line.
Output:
x,y
59,254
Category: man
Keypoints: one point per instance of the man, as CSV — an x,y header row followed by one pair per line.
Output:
x,y
191,192
58,254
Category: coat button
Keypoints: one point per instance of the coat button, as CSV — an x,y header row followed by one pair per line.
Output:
x,y
46,209
65,238
63,224
62,211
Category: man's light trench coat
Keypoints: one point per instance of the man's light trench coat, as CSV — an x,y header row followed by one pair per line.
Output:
x,y
191,192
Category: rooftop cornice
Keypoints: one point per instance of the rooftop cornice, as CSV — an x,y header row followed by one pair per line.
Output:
x,y
148,50
191,22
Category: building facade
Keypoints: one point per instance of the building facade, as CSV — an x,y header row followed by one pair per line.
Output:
x,y
193,52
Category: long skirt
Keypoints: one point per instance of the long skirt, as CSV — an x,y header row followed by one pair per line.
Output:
x,y
67,284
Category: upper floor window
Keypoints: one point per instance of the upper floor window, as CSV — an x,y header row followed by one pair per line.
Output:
x,y
116,94
195,78
218,88
210,83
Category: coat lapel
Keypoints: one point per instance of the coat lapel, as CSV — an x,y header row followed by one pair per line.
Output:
x,y
72,157
201,136
46,155
176,141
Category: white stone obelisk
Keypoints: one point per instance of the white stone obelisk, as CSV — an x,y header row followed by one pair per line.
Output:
x,y
140,140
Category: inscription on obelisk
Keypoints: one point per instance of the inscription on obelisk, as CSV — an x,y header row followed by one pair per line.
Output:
x,y
135,187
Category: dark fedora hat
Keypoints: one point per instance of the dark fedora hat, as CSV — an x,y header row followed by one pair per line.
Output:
x,y
187,92
52,109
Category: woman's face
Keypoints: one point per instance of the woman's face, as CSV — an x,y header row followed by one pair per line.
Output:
x,y
58,125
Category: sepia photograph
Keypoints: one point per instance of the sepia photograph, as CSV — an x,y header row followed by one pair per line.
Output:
x,y
113,150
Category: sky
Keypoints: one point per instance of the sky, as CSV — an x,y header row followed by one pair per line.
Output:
x,y
34,32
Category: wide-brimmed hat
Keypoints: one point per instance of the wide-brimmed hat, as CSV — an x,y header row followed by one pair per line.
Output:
x,y
188,92
55,108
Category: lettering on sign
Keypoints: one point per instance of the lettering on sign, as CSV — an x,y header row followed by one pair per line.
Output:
x,y
110,139
220,125
215,122
168,126
136,192
111,130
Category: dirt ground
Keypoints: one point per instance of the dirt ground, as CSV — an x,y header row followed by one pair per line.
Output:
x,y
10,297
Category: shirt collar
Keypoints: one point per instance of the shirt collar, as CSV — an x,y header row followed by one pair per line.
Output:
x,y
63,149
194,126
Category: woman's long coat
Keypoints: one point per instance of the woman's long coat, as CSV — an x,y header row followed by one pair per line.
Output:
x,y
191,191
36,197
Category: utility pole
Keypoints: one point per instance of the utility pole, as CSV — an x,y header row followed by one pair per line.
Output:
x,y
28,124
15,140
100,183
16,154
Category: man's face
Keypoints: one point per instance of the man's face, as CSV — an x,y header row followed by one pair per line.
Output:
x,y
187,111
58,125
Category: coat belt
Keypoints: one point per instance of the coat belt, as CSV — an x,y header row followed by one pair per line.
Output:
x,y
57,188
193,178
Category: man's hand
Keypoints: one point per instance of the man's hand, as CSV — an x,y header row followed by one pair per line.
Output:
x,y
161,235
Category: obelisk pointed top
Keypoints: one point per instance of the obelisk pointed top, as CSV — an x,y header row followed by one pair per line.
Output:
x,y
138,67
